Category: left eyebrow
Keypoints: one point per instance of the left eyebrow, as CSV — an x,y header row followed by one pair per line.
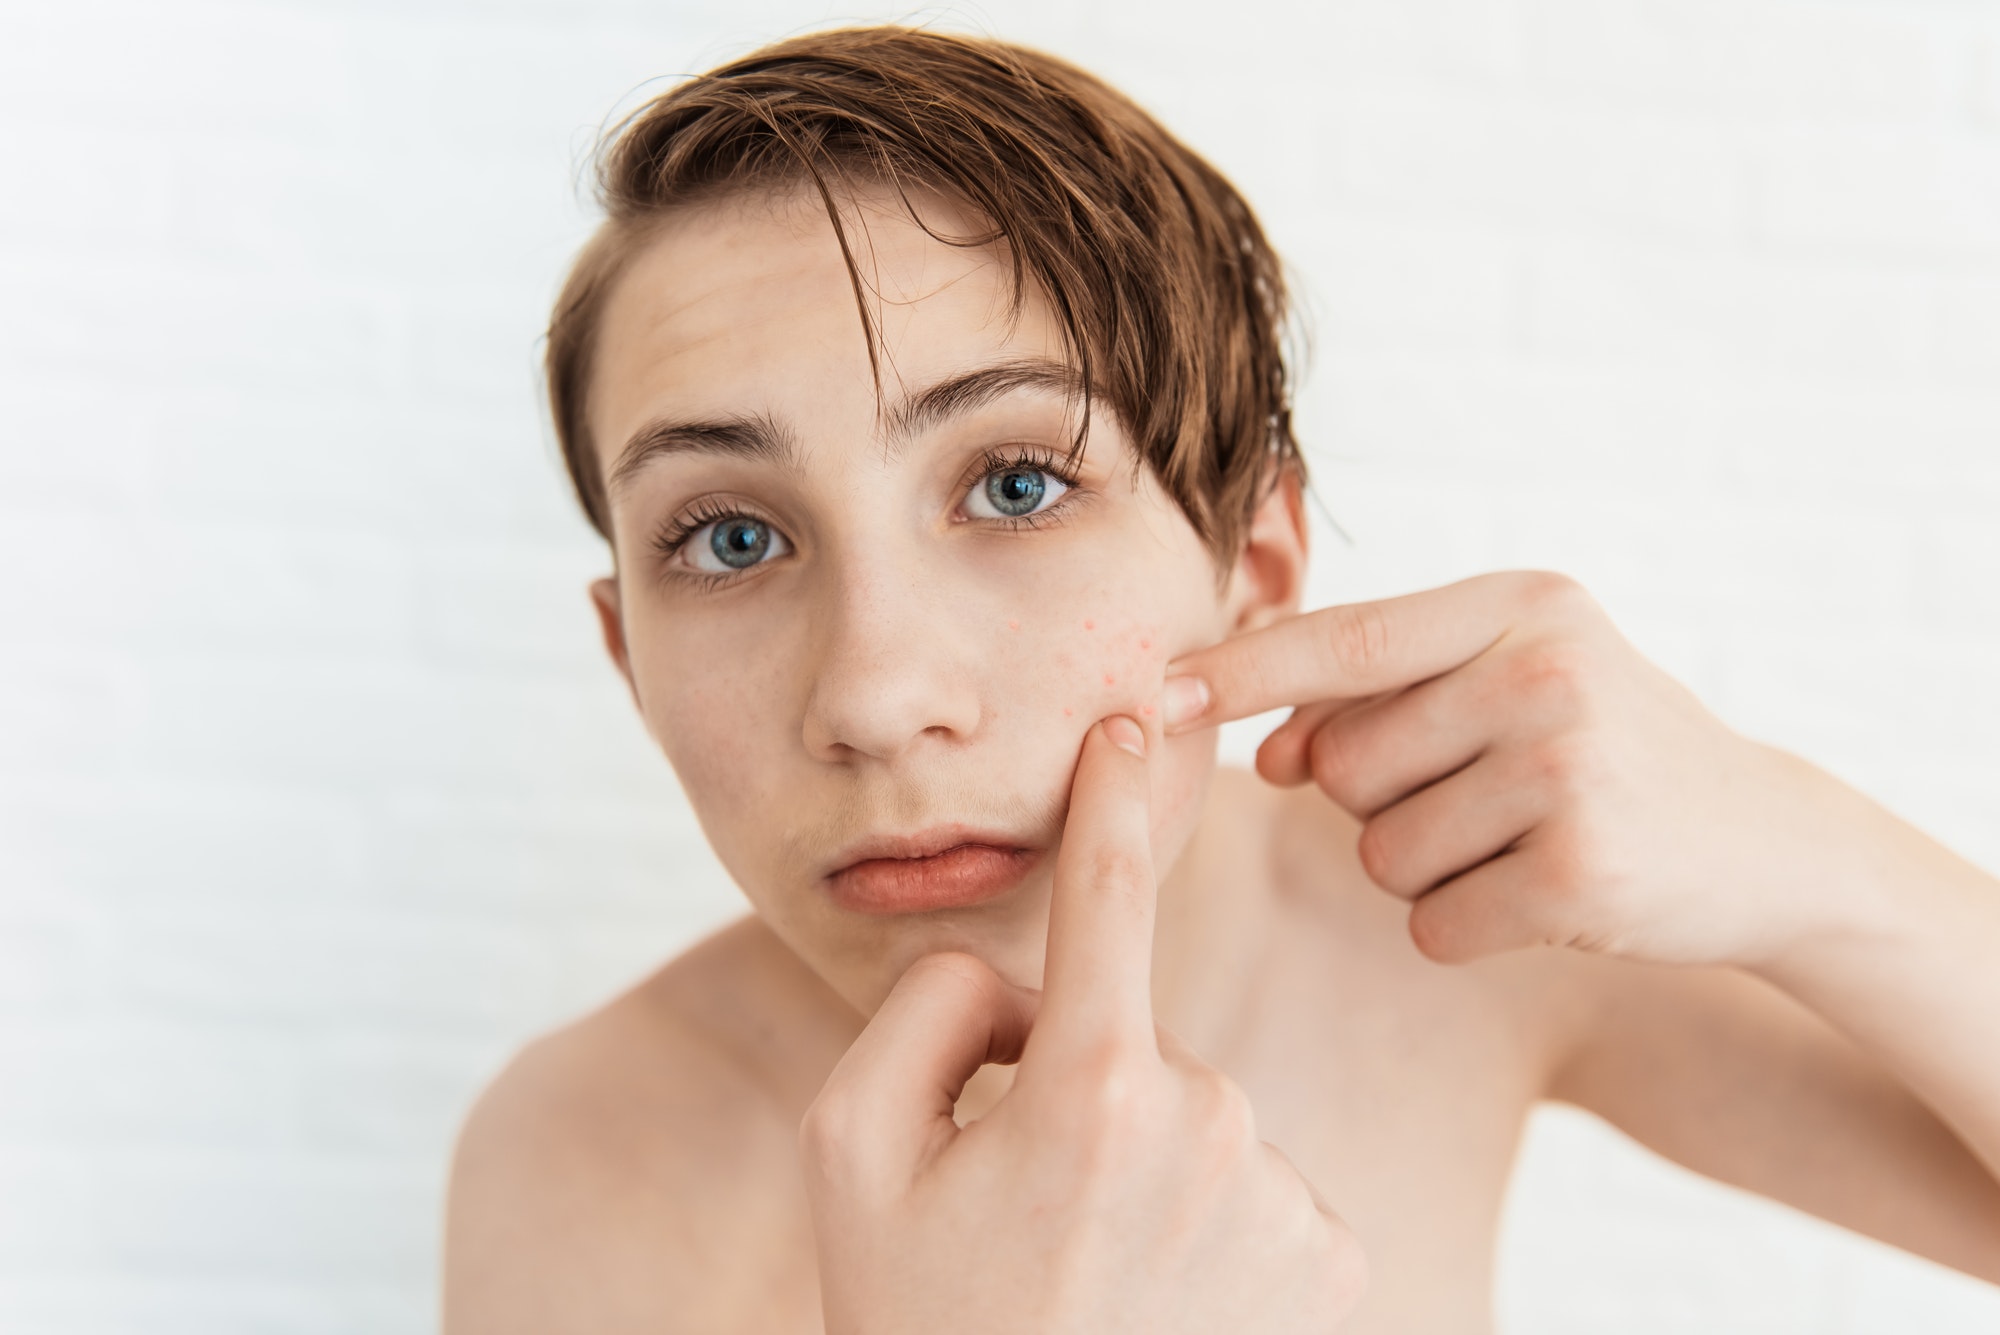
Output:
x,y
959,394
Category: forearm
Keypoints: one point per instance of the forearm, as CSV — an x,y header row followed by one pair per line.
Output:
x,y
1906,961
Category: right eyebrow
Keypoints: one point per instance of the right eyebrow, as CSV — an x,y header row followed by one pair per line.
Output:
x,y
752,437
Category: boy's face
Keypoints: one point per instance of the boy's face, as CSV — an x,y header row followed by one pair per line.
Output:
x,y
868,630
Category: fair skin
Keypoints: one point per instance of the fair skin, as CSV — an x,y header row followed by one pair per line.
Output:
x,y
1118,1186
1390,970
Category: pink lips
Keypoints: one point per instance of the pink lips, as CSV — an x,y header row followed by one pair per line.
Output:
x,y
939,869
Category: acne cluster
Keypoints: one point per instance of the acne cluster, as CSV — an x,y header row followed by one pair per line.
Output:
x,y
1118,655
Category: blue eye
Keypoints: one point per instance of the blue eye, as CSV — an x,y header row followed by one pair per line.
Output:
x,y
1010,493
739,543
1015,492
733,543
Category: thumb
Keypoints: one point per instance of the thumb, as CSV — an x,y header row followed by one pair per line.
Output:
x,y
886,1111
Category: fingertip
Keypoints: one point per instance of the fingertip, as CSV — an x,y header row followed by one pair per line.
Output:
x,y
1125,733
1281,757
1275,769
1184,700
1445,930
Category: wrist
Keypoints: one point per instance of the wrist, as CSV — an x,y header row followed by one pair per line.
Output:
x,y
1836,870
1866,887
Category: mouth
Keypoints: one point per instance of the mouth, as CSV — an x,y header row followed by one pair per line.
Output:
x,y
944,868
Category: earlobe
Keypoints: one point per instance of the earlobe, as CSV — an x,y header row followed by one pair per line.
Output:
x,y
1269,577
611,621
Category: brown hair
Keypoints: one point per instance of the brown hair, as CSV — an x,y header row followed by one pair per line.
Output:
x,y
1170,301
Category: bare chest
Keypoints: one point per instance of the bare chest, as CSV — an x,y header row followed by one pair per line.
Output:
x,y
1399,1088
1396,1086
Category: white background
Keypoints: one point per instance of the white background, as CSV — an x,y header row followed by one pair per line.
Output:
x,y
317,798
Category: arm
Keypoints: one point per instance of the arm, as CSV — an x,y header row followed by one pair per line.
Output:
x,y
1728,1076
1853,1071
1906,962
1525,777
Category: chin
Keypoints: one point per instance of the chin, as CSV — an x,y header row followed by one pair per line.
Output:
x,y
1009,935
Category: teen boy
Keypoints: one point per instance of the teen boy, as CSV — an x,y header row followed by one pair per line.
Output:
x,y
930,397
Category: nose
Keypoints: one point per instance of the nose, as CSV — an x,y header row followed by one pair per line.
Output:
x,y
891,669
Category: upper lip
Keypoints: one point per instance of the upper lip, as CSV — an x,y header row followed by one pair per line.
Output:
x,y
922,844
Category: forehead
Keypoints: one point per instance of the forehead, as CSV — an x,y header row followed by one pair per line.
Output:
x,y
748,305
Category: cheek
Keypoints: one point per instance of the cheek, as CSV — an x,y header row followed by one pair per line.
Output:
x,y
1057,675
718,771
1181,771
1060,681
1082,668
703,709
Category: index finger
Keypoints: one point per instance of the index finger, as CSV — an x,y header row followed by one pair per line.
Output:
x,y
887,1106
1344,652
1097,979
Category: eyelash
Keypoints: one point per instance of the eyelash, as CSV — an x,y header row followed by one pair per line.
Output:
x,y
674,534
1038,457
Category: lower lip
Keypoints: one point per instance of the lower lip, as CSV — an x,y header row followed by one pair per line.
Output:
x,y
958,877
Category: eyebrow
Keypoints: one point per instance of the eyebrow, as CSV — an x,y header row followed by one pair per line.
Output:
x,y
959,394
756,436
762,437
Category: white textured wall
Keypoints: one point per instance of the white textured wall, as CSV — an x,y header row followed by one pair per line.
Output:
x,y
316,797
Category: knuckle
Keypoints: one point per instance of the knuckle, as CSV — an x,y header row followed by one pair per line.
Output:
x,y
1569,767
1572,864
1228,1117
1335,1268
1117,1099
1551,592
1560,675
826,1134
1104,1110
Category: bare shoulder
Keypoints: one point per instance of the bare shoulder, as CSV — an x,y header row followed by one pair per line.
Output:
x,y
635,1170
1526,1001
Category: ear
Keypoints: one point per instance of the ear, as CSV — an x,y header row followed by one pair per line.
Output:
x,y
604,597
1268,580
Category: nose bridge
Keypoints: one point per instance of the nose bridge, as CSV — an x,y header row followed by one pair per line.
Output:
x,y
890,663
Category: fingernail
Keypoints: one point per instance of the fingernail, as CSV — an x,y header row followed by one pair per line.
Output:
x,y
1124,734
1185,699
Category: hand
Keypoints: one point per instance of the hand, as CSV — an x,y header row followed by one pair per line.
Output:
x,y
1524,776
1119,1185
